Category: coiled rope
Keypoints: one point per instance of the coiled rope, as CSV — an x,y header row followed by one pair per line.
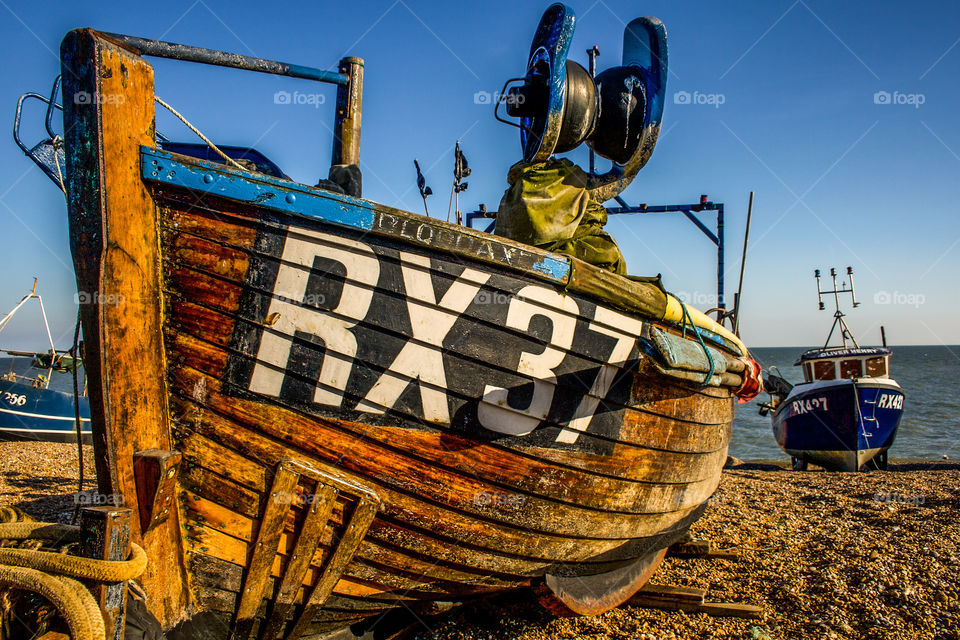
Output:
x,y
53,575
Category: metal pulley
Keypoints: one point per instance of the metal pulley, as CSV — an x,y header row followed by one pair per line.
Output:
x,y
617,114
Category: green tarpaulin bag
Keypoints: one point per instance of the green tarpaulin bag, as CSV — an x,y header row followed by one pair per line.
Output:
x,y
548,206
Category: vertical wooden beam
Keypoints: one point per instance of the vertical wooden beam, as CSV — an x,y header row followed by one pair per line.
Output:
x,y
106,536
346,136
108,115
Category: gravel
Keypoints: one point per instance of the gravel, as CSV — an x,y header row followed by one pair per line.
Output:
x,y
41,478
825,555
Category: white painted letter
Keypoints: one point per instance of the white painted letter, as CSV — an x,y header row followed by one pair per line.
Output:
x,y
421,358
626,332
363,271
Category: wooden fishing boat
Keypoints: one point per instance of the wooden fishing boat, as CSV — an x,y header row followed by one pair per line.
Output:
x,y
324,409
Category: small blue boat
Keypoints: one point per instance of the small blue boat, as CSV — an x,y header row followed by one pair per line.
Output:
x,y
29,408
844,415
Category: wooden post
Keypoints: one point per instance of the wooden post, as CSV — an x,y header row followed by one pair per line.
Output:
x,y
108,115
346,136
106,536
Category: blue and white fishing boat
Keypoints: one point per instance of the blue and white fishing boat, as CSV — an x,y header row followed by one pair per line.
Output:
x,y
29,408
844,415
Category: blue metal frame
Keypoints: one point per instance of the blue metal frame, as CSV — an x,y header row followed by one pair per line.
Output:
x,y
688,210
174,51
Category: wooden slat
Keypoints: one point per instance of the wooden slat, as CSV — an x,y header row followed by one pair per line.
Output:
x,y
346,549
731,610
318,513
667,596
265,550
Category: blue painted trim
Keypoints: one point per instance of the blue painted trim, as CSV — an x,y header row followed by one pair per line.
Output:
x,y
555,267
284,195
258,189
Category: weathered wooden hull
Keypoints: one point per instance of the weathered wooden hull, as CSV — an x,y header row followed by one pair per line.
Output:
x,y
374,409
464,510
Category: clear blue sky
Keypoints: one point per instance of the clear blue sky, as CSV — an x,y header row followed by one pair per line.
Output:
x,y
839,179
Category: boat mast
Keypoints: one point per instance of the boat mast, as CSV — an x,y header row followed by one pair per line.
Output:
x,y
6,319
838,315
46,325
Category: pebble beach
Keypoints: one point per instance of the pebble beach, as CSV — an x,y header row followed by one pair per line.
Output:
x,y
824,555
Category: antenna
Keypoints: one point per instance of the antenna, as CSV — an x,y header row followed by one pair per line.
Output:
x,y
845,333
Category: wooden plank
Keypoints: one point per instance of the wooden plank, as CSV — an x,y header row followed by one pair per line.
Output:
x,y
345,550
115,244
666,596
691,600
320,506
265,551
731,610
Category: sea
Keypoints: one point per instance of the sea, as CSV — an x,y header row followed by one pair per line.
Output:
x,y
929,429
22,367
